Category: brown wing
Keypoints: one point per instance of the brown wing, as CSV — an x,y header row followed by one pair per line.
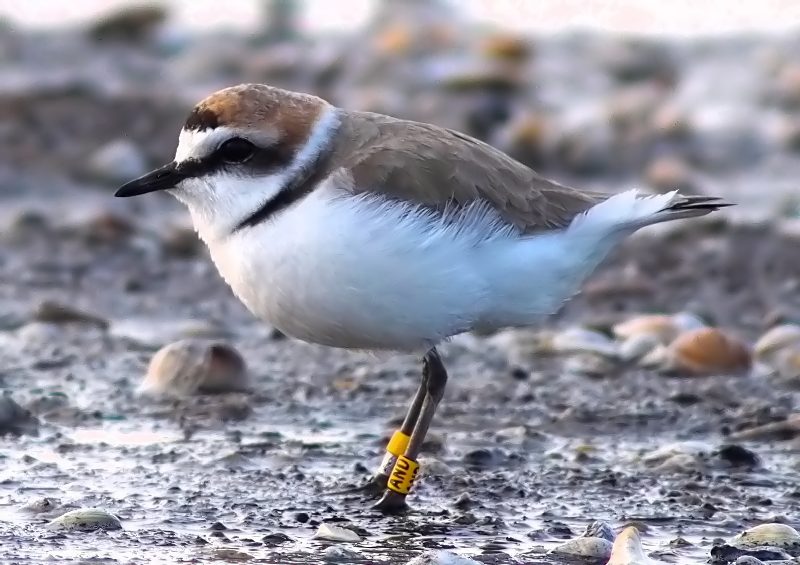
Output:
x,y
433,166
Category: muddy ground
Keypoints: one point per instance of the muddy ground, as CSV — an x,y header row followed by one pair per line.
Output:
x,y
532,453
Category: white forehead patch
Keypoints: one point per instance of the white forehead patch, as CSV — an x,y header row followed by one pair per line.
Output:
x,y
196,144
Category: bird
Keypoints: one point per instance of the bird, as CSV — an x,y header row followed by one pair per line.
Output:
x,y
363,231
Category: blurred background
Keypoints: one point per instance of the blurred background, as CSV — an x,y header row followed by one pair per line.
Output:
x,y
664,395
608,93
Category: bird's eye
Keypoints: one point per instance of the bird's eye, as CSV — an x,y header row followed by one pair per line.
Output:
x,y
236,150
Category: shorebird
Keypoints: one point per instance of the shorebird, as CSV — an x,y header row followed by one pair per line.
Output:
x,y
362,231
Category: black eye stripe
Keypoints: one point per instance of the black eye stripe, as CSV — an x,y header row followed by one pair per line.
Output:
x,y
263,161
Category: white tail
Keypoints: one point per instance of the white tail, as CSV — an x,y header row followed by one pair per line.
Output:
x,y
631,210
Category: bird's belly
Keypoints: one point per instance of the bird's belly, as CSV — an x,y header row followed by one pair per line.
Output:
x,y
326,272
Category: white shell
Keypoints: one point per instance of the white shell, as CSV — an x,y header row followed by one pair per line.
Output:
x,y
192,366
593,548
86,519
770,535
581,340
774,340
332,532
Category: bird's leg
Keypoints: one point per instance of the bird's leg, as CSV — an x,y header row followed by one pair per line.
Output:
x,y
405,468
396,447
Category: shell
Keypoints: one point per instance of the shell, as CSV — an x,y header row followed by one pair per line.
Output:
x,y
581,340
86,520
339,554
776,339
332,532
585,547
769,535
192,366
638,346
788,429
663,327
627,549
708,351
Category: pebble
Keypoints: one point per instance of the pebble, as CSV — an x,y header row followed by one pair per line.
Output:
x,y
338,554
86,519
600,529
227,554
441,558
708,351
130,23
777,535
776,340
663,327
14,419
193,366
117,162
670,173
592,549
780,431
627,549
332,532
581,340
52,312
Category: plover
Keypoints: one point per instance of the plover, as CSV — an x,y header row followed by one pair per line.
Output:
x,y
362,231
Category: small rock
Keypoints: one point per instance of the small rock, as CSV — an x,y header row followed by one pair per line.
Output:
x,y
738,456
590,549
117,162
442,558
338,554
627,549
780,431
748,560
86,519
275,539
589,365
227,554
665,328
42,505
600,529
724,554
130,24
670,173
14,419
52,312
104,228
708,351
774,341
193,366
507,47
181,241
769,535
332,532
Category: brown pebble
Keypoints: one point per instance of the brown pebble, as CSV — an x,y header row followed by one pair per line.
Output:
x,y
194,366
53,312
670,173
708,351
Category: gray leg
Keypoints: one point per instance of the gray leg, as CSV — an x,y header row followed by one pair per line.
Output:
x,y
405,469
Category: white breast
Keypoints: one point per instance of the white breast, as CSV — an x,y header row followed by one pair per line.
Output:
x,y
362,272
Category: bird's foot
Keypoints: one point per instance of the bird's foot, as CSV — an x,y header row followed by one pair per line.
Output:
x,y
392,503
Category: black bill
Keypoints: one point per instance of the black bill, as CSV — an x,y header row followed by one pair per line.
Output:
x,y
161,179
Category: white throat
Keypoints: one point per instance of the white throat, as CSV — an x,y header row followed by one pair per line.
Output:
x,y
219,202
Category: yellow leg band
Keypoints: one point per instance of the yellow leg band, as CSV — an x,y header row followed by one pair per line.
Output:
x,y
398,443
403,474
